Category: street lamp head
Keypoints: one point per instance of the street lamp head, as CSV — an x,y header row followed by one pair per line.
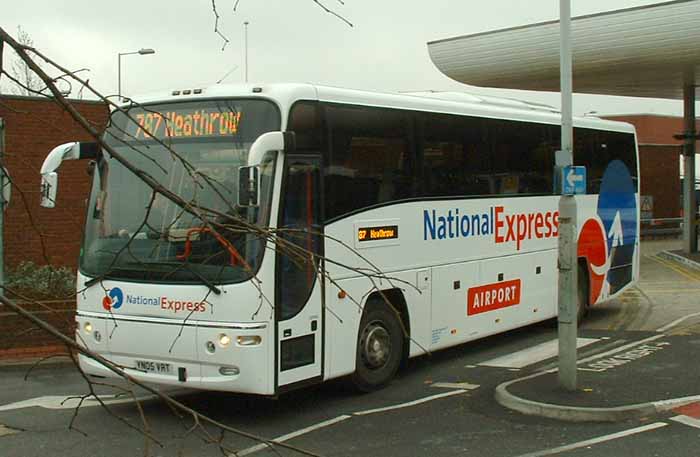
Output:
x,y
144,51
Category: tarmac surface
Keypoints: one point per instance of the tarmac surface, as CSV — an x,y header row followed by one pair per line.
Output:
x,y
655,372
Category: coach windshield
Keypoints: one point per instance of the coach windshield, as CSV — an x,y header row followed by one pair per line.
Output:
x,y
193,150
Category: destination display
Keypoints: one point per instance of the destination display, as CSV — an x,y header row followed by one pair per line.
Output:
x,y
385,232
185,124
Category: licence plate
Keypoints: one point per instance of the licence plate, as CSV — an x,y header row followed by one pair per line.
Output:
x,y
154,367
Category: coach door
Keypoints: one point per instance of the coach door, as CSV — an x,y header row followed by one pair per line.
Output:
x,y
299,295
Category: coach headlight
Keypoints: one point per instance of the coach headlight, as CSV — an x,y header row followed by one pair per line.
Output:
x,y
224,340
88,328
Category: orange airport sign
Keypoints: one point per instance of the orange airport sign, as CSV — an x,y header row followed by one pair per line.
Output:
x,y
490,297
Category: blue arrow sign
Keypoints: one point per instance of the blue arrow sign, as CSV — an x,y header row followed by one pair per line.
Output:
x,y
573,180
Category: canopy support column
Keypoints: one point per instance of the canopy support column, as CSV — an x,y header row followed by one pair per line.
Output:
x,y
690,236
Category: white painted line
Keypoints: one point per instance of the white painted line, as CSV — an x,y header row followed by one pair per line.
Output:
x,y
592,441
327,423
687,420
620,349
676,322
71,401
289,436
455,385
534,354
410,403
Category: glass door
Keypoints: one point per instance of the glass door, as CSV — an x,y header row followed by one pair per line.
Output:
x,y
299,294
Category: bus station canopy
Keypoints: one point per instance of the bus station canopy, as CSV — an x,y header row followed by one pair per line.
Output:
x,y
641,52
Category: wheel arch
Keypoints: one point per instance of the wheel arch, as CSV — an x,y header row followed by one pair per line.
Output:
x,y
396,299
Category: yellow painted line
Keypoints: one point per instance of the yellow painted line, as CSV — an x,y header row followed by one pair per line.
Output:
x,y
671,291
681,267
674,267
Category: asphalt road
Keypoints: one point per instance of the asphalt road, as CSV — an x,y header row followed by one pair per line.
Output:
x,y
439,406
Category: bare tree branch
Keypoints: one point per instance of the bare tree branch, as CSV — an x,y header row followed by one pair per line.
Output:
x,y
216,25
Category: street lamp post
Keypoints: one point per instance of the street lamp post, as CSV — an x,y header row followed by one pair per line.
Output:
x,y
246,49
142,51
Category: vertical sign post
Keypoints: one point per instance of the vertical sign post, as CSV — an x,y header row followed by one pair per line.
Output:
x,y
567,262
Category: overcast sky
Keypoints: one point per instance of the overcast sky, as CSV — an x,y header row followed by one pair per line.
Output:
x,y
289,41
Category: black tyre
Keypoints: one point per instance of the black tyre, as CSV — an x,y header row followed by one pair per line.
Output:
x,y
379,348
582,299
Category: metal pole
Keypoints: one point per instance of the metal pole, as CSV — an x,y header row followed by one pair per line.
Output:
x,y
567,315
119,77
690,237
246,50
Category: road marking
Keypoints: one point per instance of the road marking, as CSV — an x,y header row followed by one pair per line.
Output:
x,y
690,410
676,322
410,403
289,436
677,269
620,349
341,418
598,440
70,402
686,420
455,385
641,351
534,354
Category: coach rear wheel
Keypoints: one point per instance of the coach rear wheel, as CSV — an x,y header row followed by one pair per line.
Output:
x,y
379,348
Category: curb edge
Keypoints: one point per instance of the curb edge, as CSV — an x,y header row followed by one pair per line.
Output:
x,y
580,413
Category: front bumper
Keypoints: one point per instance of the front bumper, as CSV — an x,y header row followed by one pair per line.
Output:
x,y
190,350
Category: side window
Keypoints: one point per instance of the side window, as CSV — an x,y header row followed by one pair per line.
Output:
x,y
454,156
369,160
464,156
595,149
522,156
305,122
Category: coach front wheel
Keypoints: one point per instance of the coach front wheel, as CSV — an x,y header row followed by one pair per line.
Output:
x,y
379,348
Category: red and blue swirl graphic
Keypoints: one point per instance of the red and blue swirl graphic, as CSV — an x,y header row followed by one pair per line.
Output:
x,y
608,241
114,299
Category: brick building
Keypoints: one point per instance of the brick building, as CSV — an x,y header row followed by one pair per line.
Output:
x,y
659,160
33,126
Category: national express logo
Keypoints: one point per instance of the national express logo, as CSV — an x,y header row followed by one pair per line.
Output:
x,y
505,227
115,298
608,240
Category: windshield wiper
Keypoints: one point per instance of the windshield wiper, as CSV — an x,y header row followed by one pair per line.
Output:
x,y
92,281
199,275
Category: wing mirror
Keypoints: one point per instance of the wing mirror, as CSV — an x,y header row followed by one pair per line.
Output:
x,y
248,186
49,177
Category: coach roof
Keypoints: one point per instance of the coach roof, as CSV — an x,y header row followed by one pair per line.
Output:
x,y
286,94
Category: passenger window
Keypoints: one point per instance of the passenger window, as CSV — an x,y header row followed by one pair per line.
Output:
x,y
595,149
369,161
465,156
